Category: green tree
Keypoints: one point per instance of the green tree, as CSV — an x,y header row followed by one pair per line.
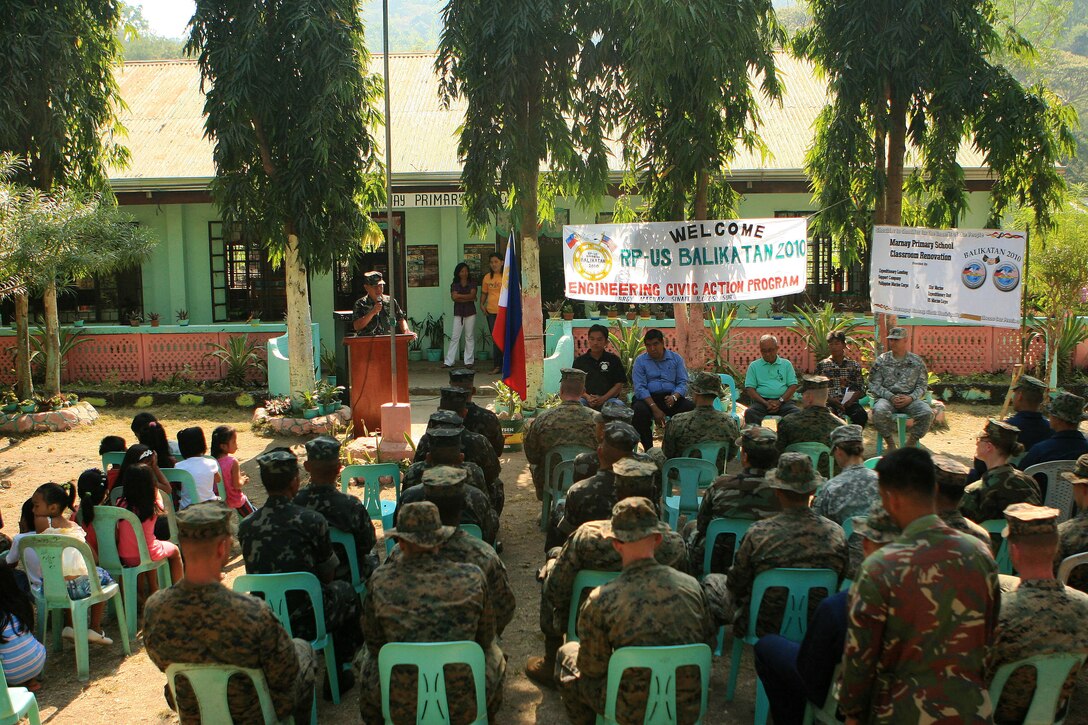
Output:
x,y
291,111
58,109
922,72
139,43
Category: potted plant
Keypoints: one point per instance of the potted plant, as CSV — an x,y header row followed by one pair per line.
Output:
x,y
254,318
73,398
659,311
327,397
183,317
415,347
278,406
644,311
593,311
753,311
632,312
568,311
328,364
309,405
9,400
436,335
154,317
555,308
27,406
135,318
78,322
483,350
778,307
612,311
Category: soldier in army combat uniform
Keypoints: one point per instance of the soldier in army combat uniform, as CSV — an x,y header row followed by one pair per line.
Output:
x,y
1073,534
423,597
200,621
853,491
702,424
649,604
477,419
898,383
1001,485
569,423
814,422
922,612
951,480
1042,616
281,537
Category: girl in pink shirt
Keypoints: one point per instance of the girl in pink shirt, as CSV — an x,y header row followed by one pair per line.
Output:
x,y
224,445
143,499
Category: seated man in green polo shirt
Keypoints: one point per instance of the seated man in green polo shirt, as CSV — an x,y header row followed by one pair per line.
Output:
x,y
769,384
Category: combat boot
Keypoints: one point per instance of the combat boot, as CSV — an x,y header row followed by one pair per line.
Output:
x,y
912,441
890,443
541,670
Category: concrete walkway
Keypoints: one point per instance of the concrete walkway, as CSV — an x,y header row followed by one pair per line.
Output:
x,y
426,378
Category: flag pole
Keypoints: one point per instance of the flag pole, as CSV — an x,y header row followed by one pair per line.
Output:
x,y
389,197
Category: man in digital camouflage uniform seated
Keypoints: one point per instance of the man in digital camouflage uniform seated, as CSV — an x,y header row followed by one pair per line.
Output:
x,y
570,423
703,424
898,383
813,423
852,492
587,464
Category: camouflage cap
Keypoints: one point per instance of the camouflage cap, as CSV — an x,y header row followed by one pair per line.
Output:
x,y
846,434
443,438
1026,381
446,419
794,473
278,461
633,519
202,521
814,382
756,436
897,333
950,472
1079,474
1001,433
702,383
614,409
1025,519
572,374
878,526
445,477
421,524
323,448
621,436
373,277
1068,407
633,470
462,375
453,399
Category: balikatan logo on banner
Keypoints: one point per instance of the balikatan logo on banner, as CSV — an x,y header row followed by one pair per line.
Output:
x,y
1004,273
592,257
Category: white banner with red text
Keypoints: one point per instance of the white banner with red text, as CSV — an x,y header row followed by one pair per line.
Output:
x,y
684,262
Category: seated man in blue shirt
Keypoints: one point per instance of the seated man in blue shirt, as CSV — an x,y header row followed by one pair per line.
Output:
x,y
1067,443
769,384
660,379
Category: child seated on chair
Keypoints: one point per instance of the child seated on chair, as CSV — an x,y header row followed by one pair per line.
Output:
x,y
50,502
32,577
224,446
143,498
22,656
203,468
91,489
112,444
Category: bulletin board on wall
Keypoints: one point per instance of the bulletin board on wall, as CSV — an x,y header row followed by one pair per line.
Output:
x,y
476,256
422,264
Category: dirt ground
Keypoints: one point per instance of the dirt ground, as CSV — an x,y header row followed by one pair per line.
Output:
x,y
129,689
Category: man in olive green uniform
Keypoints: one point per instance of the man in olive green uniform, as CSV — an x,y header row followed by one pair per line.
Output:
x,y
796,538
477,419
702,424
1073,534
814,422
569,423
649,604
951,480
1001,485
200,621
922,612
423,597
1042,616
743,495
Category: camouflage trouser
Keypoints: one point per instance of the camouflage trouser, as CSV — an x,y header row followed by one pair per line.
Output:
x,y
342,619
553,623
579,695
718,599
884,418
304,685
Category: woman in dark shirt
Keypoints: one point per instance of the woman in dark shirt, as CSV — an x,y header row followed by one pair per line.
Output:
x,y
463,292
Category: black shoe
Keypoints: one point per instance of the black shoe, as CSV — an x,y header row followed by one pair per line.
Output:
x,y
347,681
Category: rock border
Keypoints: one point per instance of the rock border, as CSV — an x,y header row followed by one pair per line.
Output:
x,y
55,421
269,425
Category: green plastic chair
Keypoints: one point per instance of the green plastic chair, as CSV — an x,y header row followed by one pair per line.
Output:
x,y
472,530
710,450
274,587
171,518
727,380
799,582
870,463
663,662
54,596
828,713
849,524
737,527
209,683
106,521
901,423
347,540
695,474
584,579
815,451
17,703
430,660
1003,559
372,488
1051,671
113,458
551,483
187,482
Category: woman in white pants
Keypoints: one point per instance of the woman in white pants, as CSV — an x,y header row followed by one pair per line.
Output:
x,y
463,292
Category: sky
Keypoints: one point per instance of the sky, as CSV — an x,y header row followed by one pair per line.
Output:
x,y
167,17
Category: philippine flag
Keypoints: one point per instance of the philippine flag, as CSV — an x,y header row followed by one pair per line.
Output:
x,y
507,331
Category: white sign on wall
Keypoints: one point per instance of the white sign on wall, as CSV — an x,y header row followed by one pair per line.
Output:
x,y
949,274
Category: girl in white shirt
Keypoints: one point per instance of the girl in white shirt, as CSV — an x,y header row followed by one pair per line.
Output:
x,y
203,468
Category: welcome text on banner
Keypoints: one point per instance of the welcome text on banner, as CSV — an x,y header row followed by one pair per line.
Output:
x,y
703,261
949,274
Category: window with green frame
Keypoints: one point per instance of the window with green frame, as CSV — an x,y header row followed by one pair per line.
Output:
x,y
244,283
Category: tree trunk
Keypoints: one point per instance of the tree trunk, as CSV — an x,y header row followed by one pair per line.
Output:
x,y
690,343
51,343
24,384
532,316
300,342
897,151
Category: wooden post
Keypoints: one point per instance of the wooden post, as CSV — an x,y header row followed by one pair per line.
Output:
x,y
1017,371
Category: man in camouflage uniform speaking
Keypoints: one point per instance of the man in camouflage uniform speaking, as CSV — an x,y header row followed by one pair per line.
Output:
x,y
649,604
898,383
1042,616
423,597
813,423
702,424
376,313
922,612
569,423
281,538
200,621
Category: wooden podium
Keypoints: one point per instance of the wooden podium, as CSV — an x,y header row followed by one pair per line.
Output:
x,y
369,363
